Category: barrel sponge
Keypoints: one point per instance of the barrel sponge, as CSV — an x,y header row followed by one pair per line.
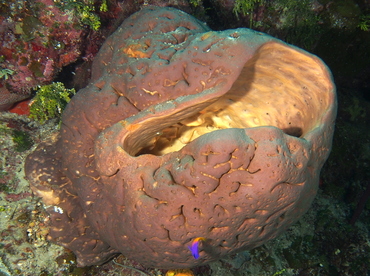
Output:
x,y
183,133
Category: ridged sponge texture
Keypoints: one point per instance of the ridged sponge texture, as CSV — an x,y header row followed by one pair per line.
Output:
x,y
185,133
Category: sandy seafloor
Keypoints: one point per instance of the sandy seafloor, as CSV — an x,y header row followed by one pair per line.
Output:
x,y
310,247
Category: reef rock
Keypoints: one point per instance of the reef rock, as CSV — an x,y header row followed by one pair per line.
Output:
x,y
185,133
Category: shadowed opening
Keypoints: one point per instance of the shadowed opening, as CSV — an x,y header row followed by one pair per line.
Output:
x,y
279,86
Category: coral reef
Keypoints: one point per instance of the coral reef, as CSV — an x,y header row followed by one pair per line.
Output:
x,y
322,242
185,133
39,38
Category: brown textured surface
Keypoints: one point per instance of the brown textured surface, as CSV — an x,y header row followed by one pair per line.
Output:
x,y
185,133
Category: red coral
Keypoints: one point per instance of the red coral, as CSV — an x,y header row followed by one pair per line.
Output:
x,y
36,47
21,108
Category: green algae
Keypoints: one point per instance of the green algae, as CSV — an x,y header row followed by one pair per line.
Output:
x,y
22,140
84,10
246,7
50,101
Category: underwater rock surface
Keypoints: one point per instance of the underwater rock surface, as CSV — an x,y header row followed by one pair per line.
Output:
x,y
185,133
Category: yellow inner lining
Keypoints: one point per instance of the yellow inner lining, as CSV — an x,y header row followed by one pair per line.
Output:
x,y
279,87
